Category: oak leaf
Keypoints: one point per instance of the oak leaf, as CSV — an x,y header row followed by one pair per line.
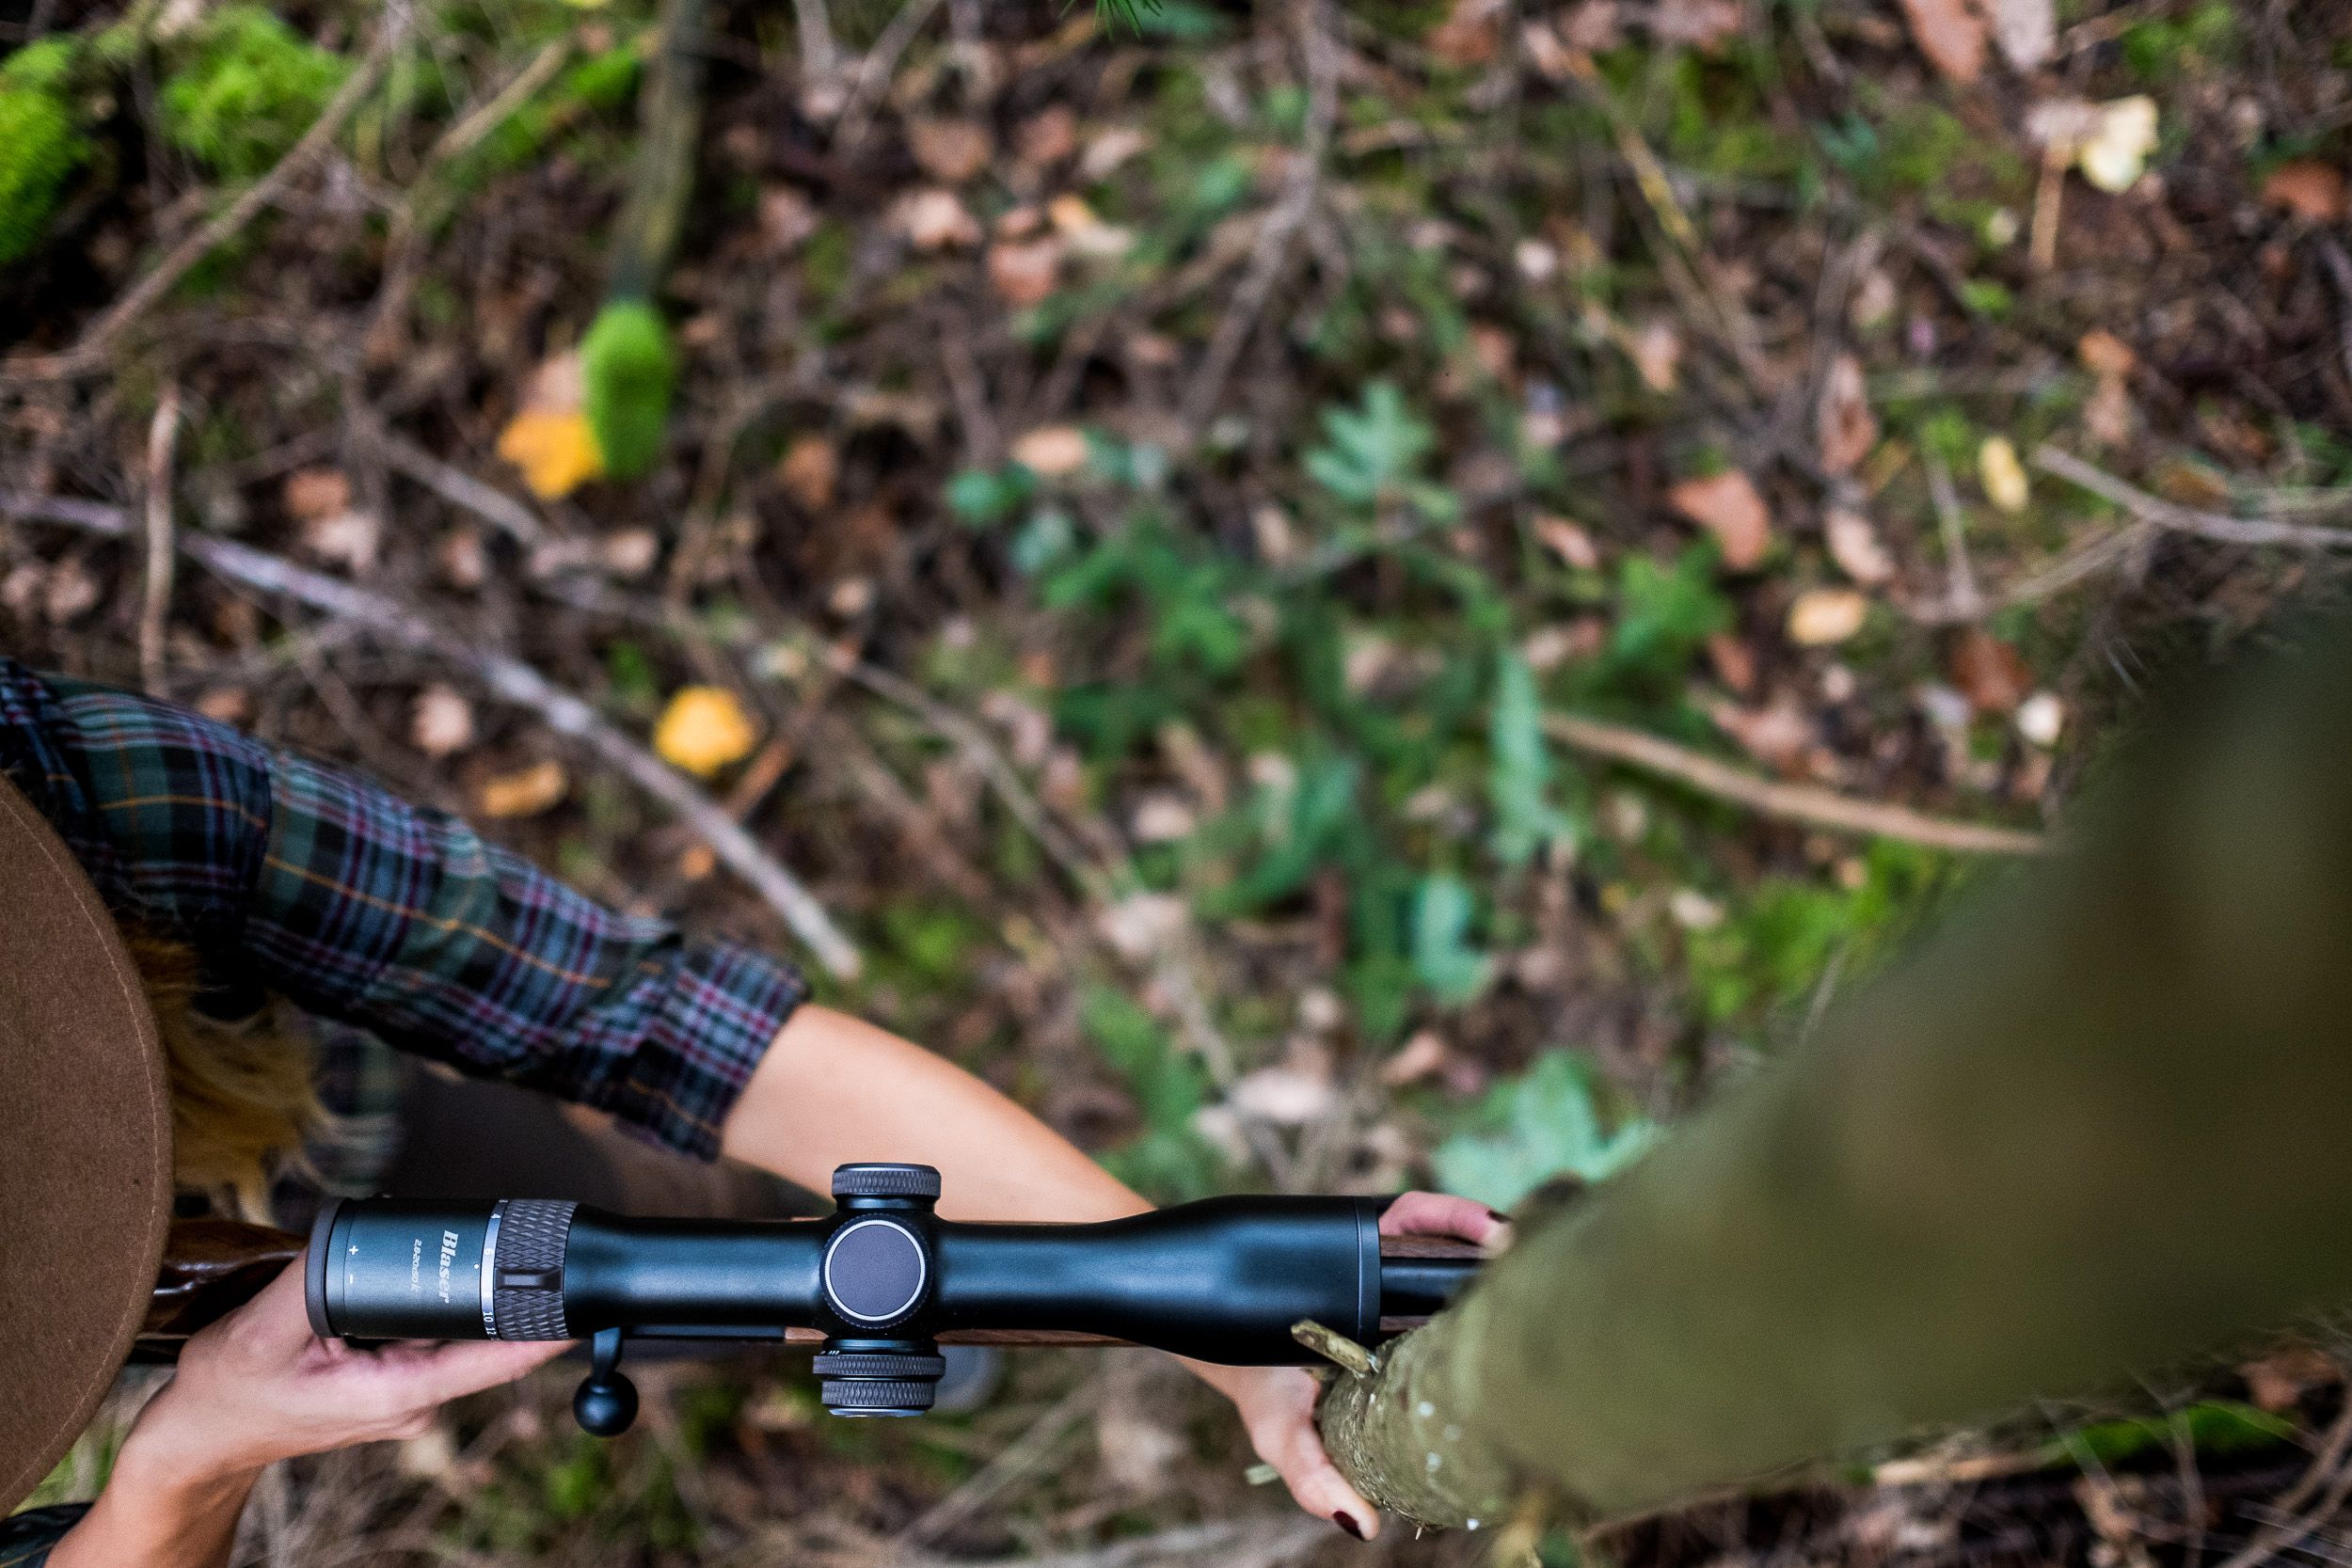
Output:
x,y
1729,507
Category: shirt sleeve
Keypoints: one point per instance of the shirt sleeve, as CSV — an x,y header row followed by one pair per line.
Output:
x,y
25,1538
362,907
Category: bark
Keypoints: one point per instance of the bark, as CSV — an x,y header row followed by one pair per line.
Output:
x,y
2096,1125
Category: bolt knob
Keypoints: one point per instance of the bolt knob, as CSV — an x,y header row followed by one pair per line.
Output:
x,y
885,1181
605,1406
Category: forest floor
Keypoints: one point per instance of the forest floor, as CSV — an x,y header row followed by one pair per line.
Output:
x,y
1333,597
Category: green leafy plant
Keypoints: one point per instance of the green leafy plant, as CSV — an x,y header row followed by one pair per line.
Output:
x,y
1664,614
630,371
249,89
1542,1124
1444,958
1519,780
44,146
1373,454
1167,1160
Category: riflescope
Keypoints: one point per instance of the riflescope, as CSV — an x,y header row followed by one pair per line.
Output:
x,y
881,1282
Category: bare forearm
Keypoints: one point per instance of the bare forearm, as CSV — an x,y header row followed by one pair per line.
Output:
x,y
835,1090
143,1519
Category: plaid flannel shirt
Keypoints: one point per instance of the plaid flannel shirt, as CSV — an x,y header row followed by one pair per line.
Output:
x,y
388,922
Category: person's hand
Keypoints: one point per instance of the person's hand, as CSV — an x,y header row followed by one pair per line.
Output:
x,y
256,1387
1278,1403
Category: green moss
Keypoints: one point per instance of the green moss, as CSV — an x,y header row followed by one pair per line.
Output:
x,y
630,371
44,147
247,91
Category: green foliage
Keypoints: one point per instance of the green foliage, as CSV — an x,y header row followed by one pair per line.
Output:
x,y
2162,49
1542,1124
1167,1161
1444,958
247,91
2213,1427
1665,615
1181,583
1778,938
629,370
981,497
1519,779
1372,455
44,145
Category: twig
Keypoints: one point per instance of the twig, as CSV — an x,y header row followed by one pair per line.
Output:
x,y
92,345
162,440
1816,807
510,679
1230,1542
1966,601
462,490
1272,250
2182,519
2329,1470
873,72
1009,1464
1335,1347
2339,267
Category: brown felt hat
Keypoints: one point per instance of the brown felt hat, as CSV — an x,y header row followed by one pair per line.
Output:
x,y
85,1150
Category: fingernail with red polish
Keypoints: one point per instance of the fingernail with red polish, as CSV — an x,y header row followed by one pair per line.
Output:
x,y
1349,1525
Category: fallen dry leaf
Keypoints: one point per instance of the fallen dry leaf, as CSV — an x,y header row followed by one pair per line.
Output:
x,y
787,217
2104,354
1570,542
1703,23
1420,1057
2309,190
1471,35
311,494
1051,452
1048,136
1989,673
525,793
934,220
441,723
810,470
1026,272
1108,149
1824,617
1734,662
950,151
1855,544
1728,506
1088,234
2026,30
1775,735
1657,351
2002,475
1847,428
703,729
1950,34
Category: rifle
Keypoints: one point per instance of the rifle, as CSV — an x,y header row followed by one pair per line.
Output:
x,y
877,1287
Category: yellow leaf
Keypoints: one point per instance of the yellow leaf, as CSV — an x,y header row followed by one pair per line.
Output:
x,y
524,794
556,449
2003,475
703,729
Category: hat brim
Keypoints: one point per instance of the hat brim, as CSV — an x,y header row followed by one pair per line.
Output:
x,y
86,1121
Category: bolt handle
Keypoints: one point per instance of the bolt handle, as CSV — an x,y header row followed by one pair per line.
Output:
x,y
605,1404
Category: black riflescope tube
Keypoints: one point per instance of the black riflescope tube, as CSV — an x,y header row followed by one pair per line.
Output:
x,y
1222,1279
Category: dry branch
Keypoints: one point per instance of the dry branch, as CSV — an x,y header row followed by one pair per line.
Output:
x,y
508,679
2185,520
1805,803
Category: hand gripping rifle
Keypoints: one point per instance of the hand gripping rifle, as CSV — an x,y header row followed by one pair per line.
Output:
x,y
878,1285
